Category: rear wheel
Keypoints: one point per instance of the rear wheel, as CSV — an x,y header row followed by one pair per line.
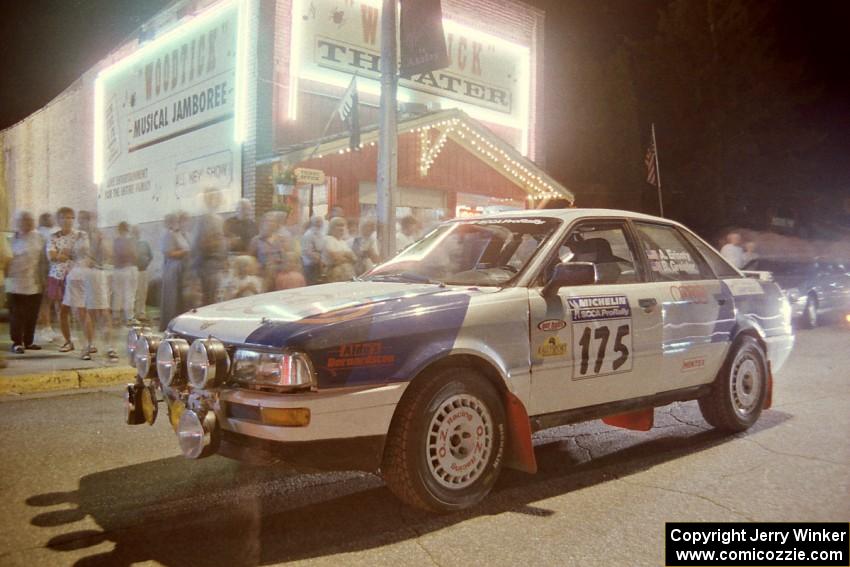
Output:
x,y
446,442
738,395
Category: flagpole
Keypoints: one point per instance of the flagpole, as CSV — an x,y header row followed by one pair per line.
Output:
x,y
388,132
657,173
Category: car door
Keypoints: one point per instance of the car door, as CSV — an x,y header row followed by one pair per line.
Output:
x,y
596,343
698,310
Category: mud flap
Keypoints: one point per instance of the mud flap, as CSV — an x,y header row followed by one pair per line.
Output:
x,y
639,420
520,451
768,398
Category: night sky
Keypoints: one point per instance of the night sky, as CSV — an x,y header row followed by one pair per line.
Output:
x,y
47,44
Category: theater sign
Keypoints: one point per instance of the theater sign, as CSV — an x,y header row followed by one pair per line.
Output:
x,y
166,122
487,77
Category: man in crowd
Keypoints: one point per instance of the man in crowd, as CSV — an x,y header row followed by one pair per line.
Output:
x,y
209,248
144,255
23,283
732,250
312,244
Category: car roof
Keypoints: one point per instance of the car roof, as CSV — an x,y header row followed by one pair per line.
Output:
x,y
574,214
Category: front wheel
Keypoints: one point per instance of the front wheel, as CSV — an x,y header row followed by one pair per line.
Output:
x,y
446,442
738,395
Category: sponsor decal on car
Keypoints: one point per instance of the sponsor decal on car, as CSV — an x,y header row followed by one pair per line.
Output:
x,y
552,347
599,308
695,363
689,292
360,355
551,325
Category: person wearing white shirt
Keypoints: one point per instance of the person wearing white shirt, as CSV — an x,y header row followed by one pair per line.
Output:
x,y
23,283
732,250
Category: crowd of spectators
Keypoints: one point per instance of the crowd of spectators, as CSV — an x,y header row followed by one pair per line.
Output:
x,y
90,282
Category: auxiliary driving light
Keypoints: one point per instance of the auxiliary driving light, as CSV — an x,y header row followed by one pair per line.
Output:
x,y
145,354
198,435
208,363
132,337
171,362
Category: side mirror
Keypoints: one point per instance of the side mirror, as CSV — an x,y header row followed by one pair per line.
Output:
x,y
569,274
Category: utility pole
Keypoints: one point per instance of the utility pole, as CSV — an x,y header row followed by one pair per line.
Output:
x,y
388,135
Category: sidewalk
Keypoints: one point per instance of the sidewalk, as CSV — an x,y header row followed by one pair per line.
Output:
x,y
48,369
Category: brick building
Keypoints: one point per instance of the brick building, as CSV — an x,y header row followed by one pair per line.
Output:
x,y
235,93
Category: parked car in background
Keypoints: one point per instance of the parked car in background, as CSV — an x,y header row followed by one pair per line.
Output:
x,y
814,287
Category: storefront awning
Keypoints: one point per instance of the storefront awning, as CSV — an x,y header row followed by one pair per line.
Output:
x,y
434,130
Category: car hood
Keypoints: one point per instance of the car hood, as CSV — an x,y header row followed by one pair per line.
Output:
x,y
311,307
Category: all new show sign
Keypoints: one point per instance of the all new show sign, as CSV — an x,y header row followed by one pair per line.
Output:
x,y
487,77
166,125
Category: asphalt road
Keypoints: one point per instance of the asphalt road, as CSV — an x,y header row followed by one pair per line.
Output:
x,y
79,487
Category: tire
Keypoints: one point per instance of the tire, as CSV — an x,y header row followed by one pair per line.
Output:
x,y
810,313
736,400
446,443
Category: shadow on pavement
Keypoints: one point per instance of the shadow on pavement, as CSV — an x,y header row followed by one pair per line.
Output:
x,y
221,512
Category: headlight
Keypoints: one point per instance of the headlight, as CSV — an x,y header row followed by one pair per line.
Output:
x,y
133,337
281,370
207,363
171,362
144,355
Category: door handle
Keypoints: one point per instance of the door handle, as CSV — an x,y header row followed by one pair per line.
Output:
x,y
648,303
721,301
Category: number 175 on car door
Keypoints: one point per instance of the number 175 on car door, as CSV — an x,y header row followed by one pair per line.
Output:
x,y
602,335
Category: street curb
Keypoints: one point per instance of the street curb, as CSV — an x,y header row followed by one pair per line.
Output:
x,y
66,380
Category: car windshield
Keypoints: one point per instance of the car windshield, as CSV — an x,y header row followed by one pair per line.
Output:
x,y
482,252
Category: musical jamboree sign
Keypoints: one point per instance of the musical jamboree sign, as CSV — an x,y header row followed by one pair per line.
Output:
x,y
165,122
486,76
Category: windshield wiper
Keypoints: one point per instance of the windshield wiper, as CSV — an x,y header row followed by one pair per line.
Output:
x,y
405,277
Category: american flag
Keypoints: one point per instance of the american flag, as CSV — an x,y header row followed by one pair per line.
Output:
x,y
651,164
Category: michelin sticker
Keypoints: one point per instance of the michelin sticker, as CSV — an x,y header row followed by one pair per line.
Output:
x,y
602,335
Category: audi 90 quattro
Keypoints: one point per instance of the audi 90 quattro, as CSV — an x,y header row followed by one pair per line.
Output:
x,y
436,367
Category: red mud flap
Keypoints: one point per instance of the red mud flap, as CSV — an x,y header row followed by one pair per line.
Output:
x,y
520,453
639,420
768,398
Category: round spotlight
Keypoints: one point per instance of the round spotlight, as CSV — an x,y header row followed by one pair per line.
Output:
x,y
144,355
198,435
171,362
133,337
207,363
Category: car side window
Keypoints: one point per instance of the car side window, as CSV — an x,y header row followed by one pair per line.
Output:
x,y
669,256
604,244
721,268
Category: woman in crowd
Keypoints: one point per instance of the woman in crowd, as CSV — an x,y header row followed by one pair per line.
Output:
x,y
365,247
63,248
47,312
175,251
267,248
23,283
336,254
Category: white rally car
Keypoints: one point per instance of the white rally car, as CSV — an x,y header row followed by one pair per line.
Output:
x,y
436,367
